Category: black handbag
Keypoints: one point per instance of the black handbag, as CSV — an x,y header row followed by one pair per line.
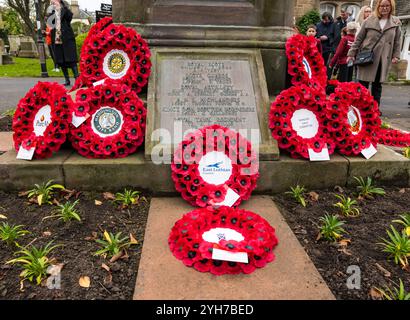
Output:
x,y
366,58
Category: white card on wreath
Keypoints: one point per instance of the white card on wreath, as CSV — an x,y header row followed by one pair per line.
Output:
x,y
319,156
369,152
223,255
98,82
25,154
78,121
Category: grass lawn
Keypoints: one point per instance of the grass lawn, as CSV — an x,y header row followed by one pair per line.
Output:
x,y
26,67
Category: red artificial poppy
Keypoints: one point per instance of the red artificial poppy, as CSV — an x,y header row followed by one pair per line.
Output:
x,y
305,63
353,118
194,238
42,119
109,131
300,125
205,184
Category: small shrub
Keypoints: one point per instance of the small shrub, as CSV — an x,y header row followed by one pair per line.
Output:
x,y
9,233
397,293
112,244
80,42
34,262
397,246
44,192
331,228
311,17
367,189
385,125
298,194
8,113
347,206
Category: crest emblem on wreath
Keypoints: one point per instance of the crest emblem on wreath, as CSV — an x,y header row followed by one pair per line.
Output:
x,y
116,63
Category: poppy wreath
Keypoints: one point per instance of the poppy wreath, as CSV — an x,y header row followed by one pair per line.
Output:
x,y
118,53
353,118
297,121
115,124
42,118
194,238
305,63
394,138
210,153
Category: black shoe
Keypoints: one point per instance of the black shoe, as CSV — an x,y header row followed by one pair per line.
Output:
x,y
67,83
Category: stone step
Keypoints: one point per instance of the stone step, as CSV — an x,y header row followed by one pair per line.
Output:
x,y
6,141
74,171
292,276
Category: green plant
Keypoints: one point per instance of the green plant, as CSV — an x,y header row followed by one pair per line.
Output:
x,y
405,221
9,233
331,228
66,212
398,246
297,193
367,189
112,244
385,125
44,192
311,17
406,152
347,206
128,198
8,113
34,262
395,293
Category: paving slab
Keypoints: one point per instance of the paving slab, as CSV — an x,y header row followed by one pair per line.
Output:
x,y
387,167
6,141
20,174
114,174
292,276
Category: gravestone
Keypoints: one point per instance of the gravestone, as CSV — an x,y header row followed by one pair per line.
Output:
x,y
28,49
4,56
200,87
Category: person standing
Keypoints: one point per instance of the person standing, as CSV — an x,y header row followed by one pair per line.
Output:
x,y
339,25
381,34
340,57
365,12
325,33
49,42
312,32
63,40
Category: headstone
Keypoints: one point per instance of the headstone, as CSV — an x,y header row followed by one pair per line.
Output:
x,y
28,50
1,51
200,87
4,56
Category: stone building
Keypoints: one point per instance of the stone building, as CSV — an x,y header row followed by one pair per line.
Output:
x,y
80,15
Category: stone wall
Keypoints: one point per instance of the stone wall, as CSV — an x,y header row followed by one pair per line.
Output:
x,y
303,6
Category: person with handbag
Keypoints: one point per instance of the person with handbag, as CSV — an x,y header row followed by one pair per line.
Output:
x,y
376,47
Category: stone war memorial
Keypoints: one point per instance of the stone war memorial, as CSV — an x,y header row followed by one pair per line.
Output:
x,y
203,154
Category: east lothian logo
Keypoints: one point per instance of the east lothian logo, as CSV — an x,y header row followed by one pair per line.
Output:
x,y
107,121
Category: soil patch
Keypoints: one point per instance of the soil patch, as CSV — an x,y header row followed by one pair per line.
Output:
x,y
365,232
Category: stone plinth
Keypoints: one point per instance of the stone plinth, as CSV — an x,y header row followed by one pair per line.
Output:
x,y
292,276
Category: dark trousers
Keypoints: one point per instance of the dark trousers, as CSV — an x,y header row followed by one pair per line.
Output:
x,y
376,85
345,73
326,57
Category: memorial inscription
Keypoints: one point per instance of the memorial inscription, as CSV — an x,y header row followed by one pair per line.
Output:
x,y
203,92
193,88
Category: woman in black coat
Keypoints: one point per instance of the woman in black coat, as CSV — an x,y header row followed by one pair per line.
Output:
x,y
63,39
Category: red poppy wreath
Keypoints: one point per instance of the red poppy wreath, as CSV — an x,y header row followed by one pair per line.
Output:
x,y
297,122
41,121
353,118
223,241
215,166
305,63
117,53
395,138
114,121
